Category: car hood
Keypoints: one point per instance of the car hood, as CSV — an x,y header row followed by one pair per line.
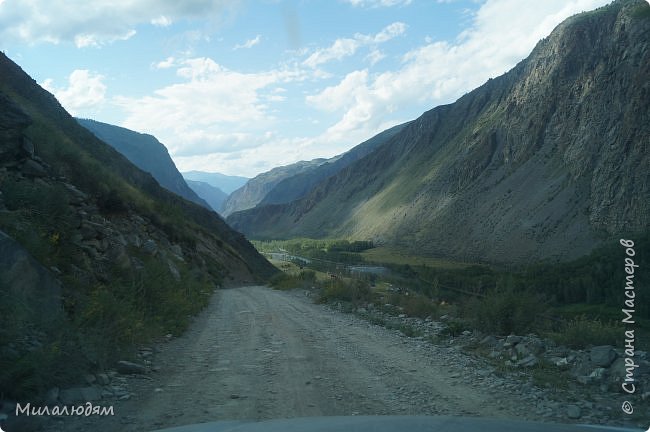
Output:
x,y
389,424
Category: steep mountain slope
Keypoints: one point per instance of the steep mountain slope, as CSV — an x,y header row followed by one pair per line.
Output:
x,y
127,259
226,183
255,189
543,162
298,185
145,152
214,196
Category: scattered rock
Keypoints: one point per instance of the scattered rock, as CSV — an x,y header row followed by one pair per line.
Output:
x,y
176,250
150,247
512,340
103,379
528,361
174,271
573,412
488,341
28,147
602,356
32,168
127,367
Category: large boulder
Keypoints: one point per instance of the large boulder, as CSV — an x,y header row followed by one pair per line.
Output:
x,y
602,356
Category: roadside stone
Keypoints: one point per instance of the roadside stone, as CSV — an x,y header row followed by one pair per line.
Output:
x,y
573,412
80,394
126,367
602,356
528,361
103,379
488,341
512,340
598,374
560,362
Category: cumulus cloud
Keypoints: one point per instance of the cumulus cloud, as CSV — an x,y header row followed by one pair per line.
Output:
x,y
85,91
378,3
346,47
93,23
165,64
502,33
271,151
249,43
212,109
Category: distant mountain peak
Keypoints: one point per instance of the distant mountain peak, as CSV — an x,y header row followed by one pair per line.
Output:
x,y
147,153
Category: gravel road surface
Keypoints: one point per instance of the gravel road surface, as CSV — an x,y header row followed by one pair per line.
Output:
x,y
256,353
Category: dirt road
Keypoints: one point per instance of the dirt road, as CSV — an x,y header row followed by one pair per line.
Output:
x,y
256,353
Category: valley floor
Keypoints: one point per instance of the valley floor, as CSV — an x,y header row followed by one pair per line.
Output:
x,y
256,353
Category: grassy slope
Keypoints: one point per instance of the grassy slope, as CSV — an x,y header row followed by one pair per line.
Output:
x,y
107,306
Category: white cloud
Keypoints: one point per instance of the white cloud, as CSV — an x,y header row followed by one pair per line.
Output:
x,y
375,56
91,40
271,151
249,43
165,64
93,23
161,21
502,33
378,3
343,95
213,109
85,91
389,32
346,47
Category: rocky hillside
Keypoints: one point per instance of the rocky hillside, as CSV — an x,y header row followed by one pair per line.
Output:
x,y
214,196
255,189
96,255
147,153
300,184
226,183
545,161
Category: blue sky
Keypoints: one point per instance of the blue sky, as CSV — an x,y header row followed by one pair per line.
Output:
x,y
241,86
